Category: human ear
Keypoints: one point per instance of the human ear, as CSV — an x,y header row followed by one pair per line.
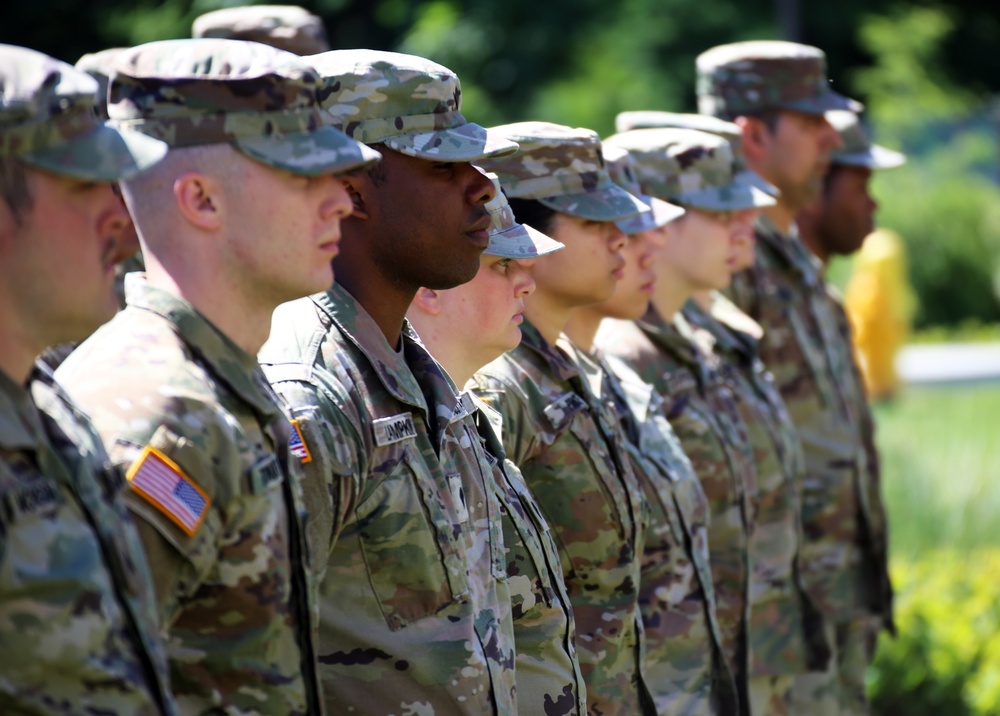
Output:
x,y
357,186
755,137
199,200
429,301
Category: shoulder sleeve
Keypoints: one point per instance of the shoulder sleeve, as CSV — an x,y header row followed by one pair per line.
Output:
x,y
519,436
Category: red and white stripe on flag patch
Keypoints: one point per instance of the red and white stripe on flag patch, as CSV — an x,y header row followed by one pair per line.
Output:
x,y
164,485
297,446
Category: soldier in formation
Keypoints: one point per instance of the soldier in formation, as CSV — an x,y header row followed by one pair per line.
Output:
x,y
360,442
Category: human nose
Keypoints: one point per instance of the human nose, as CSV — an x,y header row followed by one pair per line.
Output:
x,y
116,224
616,237
481,189
524,283
337,203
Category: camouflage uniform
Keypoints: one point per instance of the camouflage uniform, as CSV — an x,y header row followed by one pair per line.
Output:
x,y
404,514
697,170
687,672
557,429
78,626
287,27
562,435
702,412
404,518
547,669
189,415
844,557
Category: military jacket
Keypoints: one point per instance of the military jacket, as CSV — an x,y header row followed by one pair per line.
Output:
x,y
701,410
843,558
561,435
687,673
78,623
547,670
404,518
193,422
778,605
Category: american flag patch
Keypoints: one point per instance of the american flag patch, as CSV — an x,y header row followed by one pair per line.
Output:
x,y
297,446
164,485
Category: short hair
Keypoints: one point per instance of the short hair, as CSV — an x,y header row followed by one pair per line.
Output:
x,y
533,213
14,189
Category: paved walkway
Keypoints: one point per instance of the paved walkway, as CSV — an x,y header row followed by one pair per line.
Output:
x,y
949,362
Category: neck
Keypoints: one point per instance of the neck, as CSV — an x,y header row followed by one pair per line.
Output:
x,y
384,301
548,316
450,353
781,216
243,317
670,294
582,327
18,349
703,299
808,236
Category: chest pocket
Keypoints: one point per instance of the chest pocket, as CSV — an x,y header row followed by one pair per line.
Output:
x,y
609,481
414,551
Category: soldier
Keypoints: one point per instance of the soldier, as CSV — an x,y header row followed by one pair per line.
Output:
x,y
465,328
287,27
684,662
752,538
778,93
243,214
556,428
415,608
838,220
78,620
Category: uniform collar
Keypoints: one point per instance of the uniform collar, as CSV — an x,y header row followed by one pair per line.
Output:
x,y
234,366
411,376
558,364
675,336
791,249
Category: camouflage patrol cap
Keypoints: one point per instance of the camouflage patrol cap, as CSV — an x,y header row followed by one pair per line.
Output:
x,y
48,120
858,149
747,77
564,169
509,239
703,123
98,65
407,103
688,167
262,100
622,173
287,27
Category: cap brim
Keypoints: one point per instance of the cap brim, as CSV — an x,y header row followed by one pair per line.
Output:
x,y
877,157
736,196
521,242
756,180
607,203
465,143
660,214
104,154
827,102
323,151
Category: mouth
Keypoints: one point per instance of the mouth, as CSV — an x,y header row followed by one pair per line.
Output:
x,y
479,232
619,270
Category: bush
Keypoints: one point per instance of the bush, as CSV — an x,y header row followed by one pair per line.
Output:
x,y
946,659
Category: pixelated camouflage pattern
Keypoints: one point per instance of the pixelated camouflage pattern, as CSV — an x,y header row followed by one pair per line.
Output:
x,y
692,168
98,65
562,436
746,77
209,91
406,102
858,149
415,610
563,168
840,690
48,119
701,409
547,670
287,27
510,239
233,598
782,618
729,131
622,173
687,674
78,623
843,560
774,695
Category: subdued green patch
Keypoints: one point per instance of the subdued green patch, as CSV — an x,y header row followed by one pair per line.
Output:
x,y
941,466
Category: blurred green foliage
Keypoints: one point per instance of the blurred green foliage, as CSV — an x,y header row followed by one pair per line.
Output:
x,y
927,70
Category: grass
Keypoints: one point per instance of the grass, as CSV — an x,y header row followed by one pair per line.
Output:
x,y
941,466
